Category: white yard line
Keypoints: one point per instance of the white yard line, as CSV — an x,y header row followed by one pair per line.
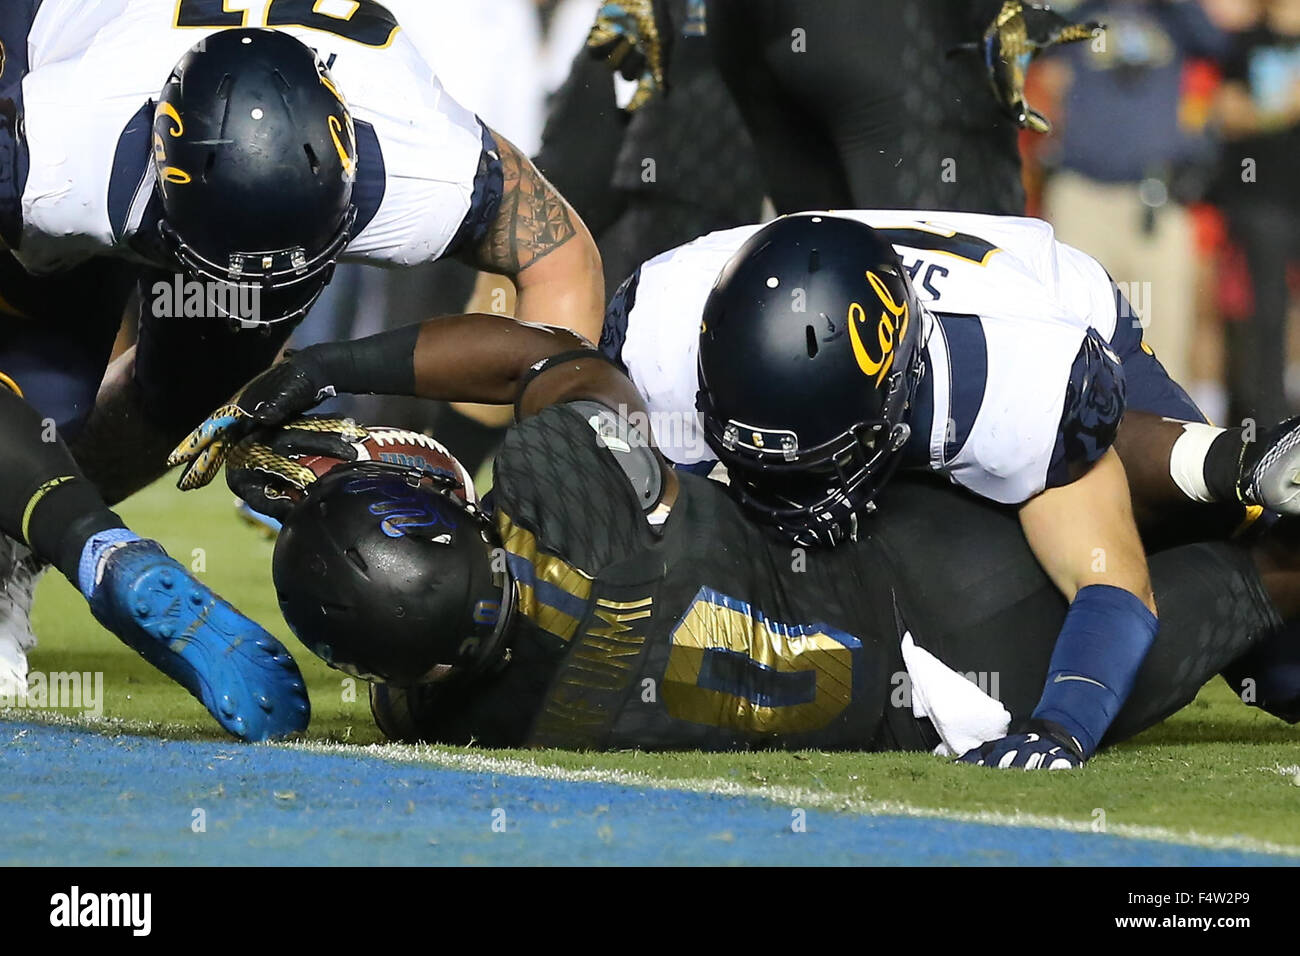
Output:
x,y
784,795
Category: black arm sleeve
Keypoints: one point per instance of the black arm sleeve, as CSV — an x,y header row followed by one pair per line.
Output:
x,y
382,364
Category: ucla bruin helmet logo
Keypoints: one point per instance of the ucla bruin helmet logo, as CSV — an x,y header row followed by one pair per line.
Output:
x,y
890,330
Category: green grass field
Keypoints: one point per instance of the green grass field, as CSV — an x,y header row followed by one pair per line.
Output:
x,y
1216,773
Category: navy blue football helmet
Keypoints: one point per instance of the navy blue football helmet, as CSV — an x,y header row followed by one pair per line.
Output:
x,y
810,353
256,156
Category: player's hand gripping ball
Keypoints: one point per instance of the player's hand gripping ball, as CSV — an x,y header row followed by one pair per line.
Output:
x,y
271,468
280,393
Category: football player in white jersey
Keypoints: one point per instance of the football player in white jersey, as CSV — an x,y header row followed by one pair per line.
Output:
x,y
1007,316
826,350
211,161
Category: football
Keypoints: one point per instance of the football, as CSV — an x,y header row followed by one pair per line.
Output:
x,y
401,447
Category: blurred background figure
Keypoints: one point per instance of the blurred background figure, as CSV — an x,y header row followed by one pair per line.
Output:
x,y
1259,111
1130,158
649,176
862,105
469,44
565,25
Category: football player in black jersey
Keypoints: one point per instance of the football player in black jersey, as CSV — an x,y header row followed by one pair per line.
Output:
x,y
237,172
611,602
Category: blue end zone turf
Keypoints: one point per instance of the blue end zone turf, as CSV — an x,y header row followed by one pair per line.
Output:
x,y
75,797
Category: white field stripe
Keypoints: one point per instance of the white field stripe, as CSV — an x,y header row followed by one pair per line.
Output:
x,y
785,795
789,796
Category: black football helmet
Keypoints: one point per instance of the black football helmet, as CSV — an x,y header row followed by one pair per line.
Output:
x,y
256,155
810,352
385,573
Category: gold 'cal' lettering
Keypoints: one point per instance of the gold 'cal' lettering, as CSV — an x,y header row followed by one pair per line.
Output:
x,y
326,82
348,158
169,111
890,330
175,131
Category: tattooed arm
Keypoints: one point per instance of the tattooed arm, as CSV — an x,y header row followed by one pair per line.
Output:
x,y
541,244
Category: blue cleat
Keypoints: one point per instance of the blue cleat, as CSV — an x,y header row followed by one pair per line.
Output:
x,y
244,677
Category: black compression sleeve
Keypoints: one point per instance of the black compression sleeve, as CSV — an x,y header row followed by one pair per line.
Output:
x,y
382,364
45,500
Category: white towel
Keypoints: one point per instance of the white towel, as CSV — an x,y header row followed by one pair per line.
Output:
x,y
964,715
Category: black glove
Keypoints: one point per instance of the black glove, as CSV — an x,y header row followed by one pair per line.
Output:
x,y
263,469
1029,745
1269,469
279,394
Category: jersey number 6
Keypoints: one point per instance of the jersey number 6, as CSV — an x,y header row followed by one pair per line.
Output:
x,y
366,22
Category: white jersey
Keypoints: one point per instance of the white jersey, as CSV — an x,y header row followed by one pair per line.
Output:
x,y
460,37
96,67
1010,310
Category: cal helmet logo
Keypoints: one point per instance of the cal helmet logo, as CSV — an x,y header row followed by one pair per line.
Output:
x,y
347,153
167,120
890,329
342,131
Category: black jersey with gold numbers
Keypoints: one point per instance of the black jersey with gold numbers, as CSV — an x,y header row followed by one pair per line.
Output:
x,y
714,636
707,634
